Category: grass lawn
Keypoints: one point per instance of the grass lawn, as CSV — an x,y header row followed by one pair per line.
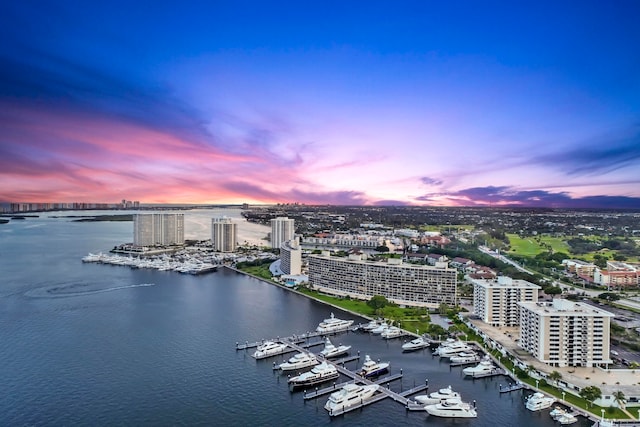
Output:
x,y
530,247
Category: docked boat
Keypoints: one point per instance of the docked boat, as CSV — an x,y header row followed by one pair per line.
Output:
x,y
557,412
370,326
452,408
603,422
485,367
319,374
538,401
416,344
380,328
330,350
392,332
453,349
437,396
567,418
371,368
269,348
333,324
349,395
299,361
465,357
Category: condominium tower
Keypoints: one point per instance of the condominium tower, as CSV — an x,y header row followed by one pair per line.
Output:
x,y
291,257
158,229
495,301
565,333
282,230
224,234
404,284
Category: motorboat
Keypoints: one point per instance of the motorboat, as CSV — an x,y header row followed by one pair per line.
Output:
x,y
485,367
269,348
299,361
349,395
330,350
437,396
319,374
453,349
557,412
333,324
380,328
392,332
370,326
603,422
567,418
452,408
415,344
538,401
465,357
371,368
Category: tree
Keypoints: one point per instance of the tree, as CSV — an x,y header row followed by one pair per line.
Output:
x,y
378,302
552,290
591,393
620,399
382,248
555,376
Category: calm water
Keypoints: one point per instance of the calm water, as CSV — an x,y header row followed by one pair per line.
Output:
x,y
85,344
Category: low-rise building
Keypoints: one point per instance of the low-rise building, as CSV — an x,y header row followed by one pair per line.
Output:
x,y
565,333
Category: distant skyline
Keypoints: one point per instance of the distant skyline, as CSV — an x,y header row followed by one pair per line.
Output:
x,y
359,103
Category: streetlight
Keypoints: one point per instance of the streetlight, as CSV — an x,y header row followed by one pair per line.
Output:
x,y
563,395
537,383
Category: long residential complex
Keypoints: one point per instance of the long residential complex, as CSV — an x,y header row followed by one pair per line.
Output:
x,y
343,241
565,333
404,284
495,301
282,230
224,234
291,257
158,229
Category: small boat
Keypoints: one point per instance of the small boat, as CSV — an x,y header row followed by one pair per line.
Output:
x,y
333,324
416,344
380,328
485,367
465,357
371,368
370,326
349,395
567,418
452,408
269,348
319,374
557,412
538,401
331,350
299,361
437,396
392,332
603,422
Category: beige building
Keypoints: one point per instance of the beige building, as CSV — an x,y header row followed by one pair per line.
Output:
x,y
291,257
404,284
495,301
224,234
565,333
158,229
282,230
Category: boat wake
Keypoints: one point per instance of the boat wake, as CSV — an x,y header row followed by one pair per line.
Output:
x,y
76,290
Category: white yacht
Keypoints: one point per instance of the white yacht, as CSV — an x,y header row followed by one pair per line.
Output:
x,y
453,349
465,357
483,368
299,361
416,344
567,418
349,395
370,326
437,396
603,422
269,348
452,408
380,328
333,324
330,350
538,401
392,332
320,373
371,368
557,412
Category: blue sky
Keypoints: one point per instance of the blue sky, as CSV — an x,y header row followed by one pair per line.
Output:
x,y
463,103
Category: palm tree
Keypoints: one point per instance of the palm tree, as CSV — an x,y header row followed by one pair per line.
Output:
x,y
619,398
590,393
555,376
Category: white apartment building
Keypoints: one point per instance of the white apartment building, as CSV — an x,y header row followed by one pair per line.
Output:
x,y
404,284
565,333
158,229
495,301
282,230
224,234
291,257
343,241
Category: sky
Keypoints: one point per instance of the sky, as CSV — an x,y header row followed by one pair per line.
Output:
x,y
462,103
